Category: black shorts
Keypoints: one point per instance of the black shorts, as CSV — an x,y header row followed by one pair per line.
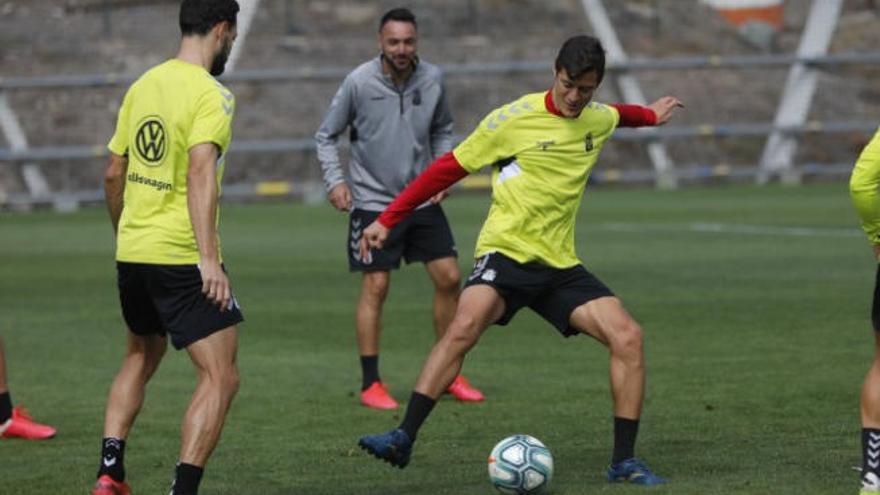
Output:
x,y
160,299
875,308
553,293
423,236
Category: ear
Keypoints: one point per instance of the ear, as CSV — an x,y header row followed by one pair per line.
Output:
x,y
220,29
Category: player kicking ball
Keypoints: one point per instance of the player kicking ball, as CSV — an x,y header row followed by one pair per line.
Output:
x,y
542,148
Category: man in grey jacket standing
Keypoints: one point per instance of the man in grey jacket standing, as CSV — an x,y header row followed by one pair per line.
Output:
x,y
394,107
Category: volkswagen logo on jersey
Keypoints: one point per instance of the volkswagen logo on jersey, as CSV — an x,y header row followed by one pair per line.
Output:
x,y
150,141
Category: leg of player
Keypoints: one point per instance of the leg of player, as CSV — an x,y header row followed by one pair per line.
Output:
x,y
214,358
374,290
142,357
870,402
478,307
607,320
5,399
446,277
16,422
870,412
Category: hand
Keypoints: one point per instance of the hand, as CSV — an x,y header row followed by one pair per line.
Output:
x,y
215,284
340,197
374,236
440,196
664,107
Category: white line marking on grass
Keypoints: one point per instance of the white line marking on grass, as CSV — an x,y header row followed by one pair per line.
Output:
x,y
728,228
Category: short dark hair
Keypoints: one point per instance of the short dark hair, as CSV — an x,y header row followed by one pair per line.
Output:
x,y
581,54
198,17
401,14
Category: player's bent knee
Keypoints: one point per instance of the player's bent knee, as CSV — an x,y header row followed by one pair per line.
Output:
x,y
463,332
627,338
225,382
233,382
376,288
450,281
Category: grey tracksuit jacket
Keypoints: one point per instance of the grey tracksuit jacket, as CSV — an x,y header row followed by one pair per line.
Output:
x,y
395,133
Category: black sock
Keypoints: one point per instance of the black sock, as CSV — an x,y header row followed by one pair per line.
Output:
x,y
871,450
625,431
370,370
186,479
5,407
417,412
112,455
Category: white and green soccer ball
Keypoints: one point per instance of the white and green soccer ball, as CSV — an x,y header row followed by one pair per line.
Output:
x,y
521,465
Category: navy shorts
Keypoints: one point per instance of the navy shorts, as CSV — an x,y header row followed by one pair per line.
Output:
x,y
168,299
422,237
553,293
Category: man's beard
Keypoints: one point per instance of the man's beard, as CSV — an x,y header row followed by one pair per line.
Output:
x,y
392,64
219,63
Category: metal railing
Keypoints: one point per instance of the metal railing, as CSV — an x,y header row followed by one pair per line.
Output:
x,y
90,152
50,154
489,68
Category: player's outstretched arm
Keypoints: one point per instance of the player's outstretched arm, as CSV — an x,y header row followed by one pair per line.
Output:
x,y
438,177
664,108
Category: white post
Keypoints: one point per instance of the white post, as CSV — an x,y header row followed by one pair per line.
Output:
x,y
33,177
245,19
797,96
629,87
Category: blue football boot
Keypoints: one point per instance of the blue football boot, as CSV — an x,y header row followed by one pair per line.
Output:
x,y
633,471
394,447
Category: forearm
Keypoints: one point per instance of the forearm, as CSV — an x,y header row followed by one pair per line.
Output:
x,y
331,165
114,189
337,119
202,204
635,115
443,173
113,193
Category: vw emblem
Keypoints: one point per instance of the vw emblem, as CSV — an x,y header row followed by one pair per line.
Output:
x,y
150,141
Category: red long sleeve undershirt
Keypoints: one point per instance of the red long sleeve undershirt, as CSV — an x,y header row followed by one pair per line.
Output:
x,y
446,171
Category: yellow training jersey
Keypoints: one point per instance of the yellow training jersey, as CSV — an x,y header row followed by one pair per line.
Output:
x,y
863,188
542,162
171,108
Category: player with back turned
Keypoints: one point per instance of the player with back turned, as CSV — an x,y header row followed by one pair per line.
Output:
x,y
162,186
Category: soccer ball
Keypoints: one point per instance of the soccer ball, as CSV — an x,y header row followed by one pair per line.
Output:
x,y
521,465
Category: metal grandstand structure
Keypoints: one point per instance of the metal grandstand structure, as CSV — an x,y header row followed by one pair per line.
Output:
x,y
776,163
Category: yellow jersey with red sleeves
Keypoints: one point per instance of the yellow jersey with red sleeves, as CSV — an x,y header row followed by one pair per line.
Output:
x,y
168,110
541,165
864,188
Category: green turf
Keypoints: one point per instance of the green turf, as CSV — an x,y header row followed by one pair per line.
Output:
x,y
756,347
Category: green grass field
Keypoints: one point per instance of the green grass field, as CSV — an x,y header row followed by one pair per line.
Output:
x,y
754,301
